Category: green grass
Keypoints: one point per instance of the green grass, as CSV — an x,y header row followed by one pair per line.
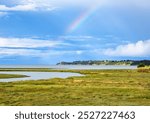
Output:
x,y
6,76
144,69
96,88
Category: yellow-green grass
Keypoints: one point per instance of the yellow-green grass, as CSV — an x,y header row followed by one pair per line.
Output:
x,y
96,88
144,69
6,76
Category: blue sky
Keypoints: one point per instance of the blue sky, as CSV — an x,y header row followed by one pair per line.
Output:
x,y
50,31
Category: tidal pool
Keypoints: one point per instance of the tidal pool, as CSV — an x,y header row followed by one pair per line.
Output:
x,y
38,75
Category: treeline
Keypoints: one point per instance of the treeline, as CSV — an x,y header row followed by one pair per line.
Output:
x,y
106,62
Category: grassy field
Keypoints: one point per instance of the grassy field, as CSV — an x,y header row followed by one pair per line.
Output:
x,y
96,88
6,76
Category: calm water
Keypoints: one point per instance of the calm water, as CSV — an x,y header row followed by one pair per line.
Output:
x,y
38,75
48,75
82,67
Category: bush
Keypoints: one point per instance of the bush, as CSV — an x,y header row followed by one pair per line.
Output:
x,y
141,65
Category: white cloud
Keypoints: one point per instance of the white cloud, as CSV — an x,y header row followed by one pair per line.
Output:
x,y
60,3
84,38
138,49
27,6
143,3
28,43
36,53
3,14
79,52
19,52
34,47
48,5
31,47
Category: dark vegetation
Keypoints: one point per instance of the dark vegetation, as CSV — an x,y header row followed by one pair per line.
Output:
x,y
106,62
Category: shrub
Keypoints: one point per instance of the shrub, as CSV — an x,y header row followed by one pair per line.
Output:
x,y
141,65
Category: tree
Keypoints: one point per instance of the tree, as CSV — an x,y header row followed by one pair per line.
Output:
x,y
141,65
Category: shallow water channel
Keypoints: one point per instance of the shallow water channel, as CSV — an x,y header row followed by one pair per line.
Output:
x,y
38,75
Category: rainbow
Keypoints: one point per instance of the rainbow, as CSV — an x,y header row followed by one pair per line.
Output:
x,y
81,19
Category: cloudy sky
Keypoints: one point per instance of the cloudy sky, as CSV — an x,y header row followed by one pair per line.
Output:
x,y
50,31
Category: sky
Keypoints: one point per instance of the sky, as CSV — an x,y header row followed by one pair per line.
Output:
x,y
51,31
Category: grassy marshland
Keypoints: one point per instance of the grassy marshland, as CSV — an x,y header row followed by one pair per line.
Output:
x,y
6,76
98,87
145,69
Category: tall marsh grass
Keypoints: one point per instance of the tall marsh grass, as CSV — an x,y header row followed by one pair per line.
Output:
x,y
144,69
